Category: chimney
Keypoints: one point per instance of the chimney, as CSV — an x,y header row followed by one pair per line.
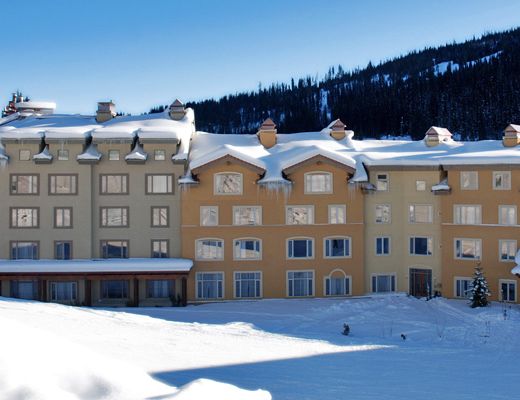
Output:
x,y
267,133
106,111
511,135
436,135
177,110
337,129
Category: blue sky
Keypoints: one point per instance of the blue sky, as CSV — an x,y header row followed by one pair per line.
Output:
x,y
145,53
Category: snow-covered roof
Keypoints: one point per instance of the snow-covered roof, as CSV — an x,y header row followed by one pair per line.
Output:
x,y
97,265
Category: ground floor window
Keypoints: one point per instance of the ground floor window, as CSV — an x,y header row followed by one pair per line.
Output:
x,y
248,284
383,283
158,289
337,286
210,285
463,287
64,291
114,289
27,290
508,291
300,283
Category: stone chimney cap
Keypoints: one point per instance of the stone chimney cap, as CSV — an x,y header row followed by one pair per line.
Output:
x,y
268,125
177,103
437,131
512,128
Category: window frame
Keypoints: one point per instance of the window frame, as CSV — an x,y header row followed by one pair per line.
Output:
x,y
308,207
125,287
24,158
106,241
339,206
111,153
330,176
151,192
158,208
60,157
36,251
36,185
477,247
382,247
222,285
508,282
152,251
412,218
55,218
259,280
335,237
506,206
495,174
384,180
238,208
103,210
215,182
70,243
218,258
417,185
348,287
462,179
156,152
170,287
214,208
456,287
292,239
260,248
504,241
73,182
74,292
457,213
389,214
13,224
392,275
124,178
429,245
288,284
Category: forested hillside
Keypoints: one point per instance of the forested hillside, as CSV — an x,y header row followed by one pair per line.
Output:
x,y
472,88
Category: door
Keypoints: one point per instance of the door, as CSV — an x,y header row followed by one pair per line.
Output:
x,y
420,282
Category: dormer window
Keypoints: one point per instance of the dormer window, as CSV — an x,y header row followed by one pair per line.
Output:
x,y
318,182
113,155
382,182
63,155
228,183
159,155
25,155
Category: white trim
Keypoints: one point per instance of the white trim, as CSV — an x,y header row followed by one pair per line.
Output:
x,y
500,250
261,294
345,276
197,274
208,207
459,278
479,257
216,193
330,174
309,206
501,172
344,207
375,274
429,240
503,206
389,246
460,180
337,237
508,281
300,270
234,208
299,238
248,259
209,259
389,213
430,213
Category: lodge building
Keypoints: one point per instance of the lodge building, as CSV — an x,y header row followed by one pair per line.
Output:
x,y
146,211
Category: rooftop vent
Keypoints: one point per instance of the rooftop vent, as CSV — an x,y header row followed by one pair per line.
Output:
x,y
106,111
436,135
177,110
511,135
267,133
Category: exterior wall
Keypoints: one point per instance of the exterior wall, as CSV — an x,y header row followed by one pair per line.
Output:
x,y
489,231
401,194
274,232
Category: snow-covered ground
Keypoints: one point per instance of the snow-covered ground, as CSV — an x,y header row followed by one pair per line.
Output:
x,y
292,349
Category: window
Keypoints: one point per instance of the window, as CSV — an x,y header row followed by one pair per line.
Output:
x,y
114,248
469,180
114,217
247,215
382,214
421,246
299,248
468,249
24,184
27,290
63,250
382,246
507,250
501,180
383,283
63,184
508,290
300,283
24,250
210,285
158,288
248,284
208,215
63,155
63,217
337,214
228,183
507,215
467,214
418,213
210,249
159,184
113,155
318,182
337,286
25,155
382,182
114,289
114,184
247,249
463,287
159,155
160,217
299,215
337,247
64,291
420,186
24,217
160,249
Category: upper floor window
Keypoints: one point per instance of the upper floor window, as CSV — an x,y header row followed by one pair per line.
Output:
x,y
382,213
113,155
419,213
114,248
25,155
502,180
337,247
63,217
160,216
299,215
421,246
247,215
467,214
469,180
507,250
420,186
63,250
114,217
382,246
208,215
507,215
24,217
113,184
160,249
63,184
468,249
382,182
24,184
300,248
247,249
159,155
210,249
318,182
159,184
337,214
25,250
228,183
63,155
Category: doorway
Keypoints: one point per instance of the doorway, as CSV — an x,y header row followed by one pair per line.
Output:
x,y
420,282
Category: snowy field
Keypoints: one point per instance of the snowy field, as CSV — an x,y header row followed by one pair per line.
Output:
x,y
287,349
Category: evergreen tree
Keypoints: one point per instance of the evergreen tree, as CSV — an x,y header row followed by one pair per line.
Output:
x,y
479,291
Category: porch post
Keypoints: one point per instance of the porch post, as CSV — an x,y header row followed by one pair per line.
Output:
x,y
136,292
184,289
43,290
88,292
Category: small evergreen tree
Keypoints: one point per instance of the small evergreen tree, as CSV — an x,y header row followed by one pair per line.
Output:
x,y
479,291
